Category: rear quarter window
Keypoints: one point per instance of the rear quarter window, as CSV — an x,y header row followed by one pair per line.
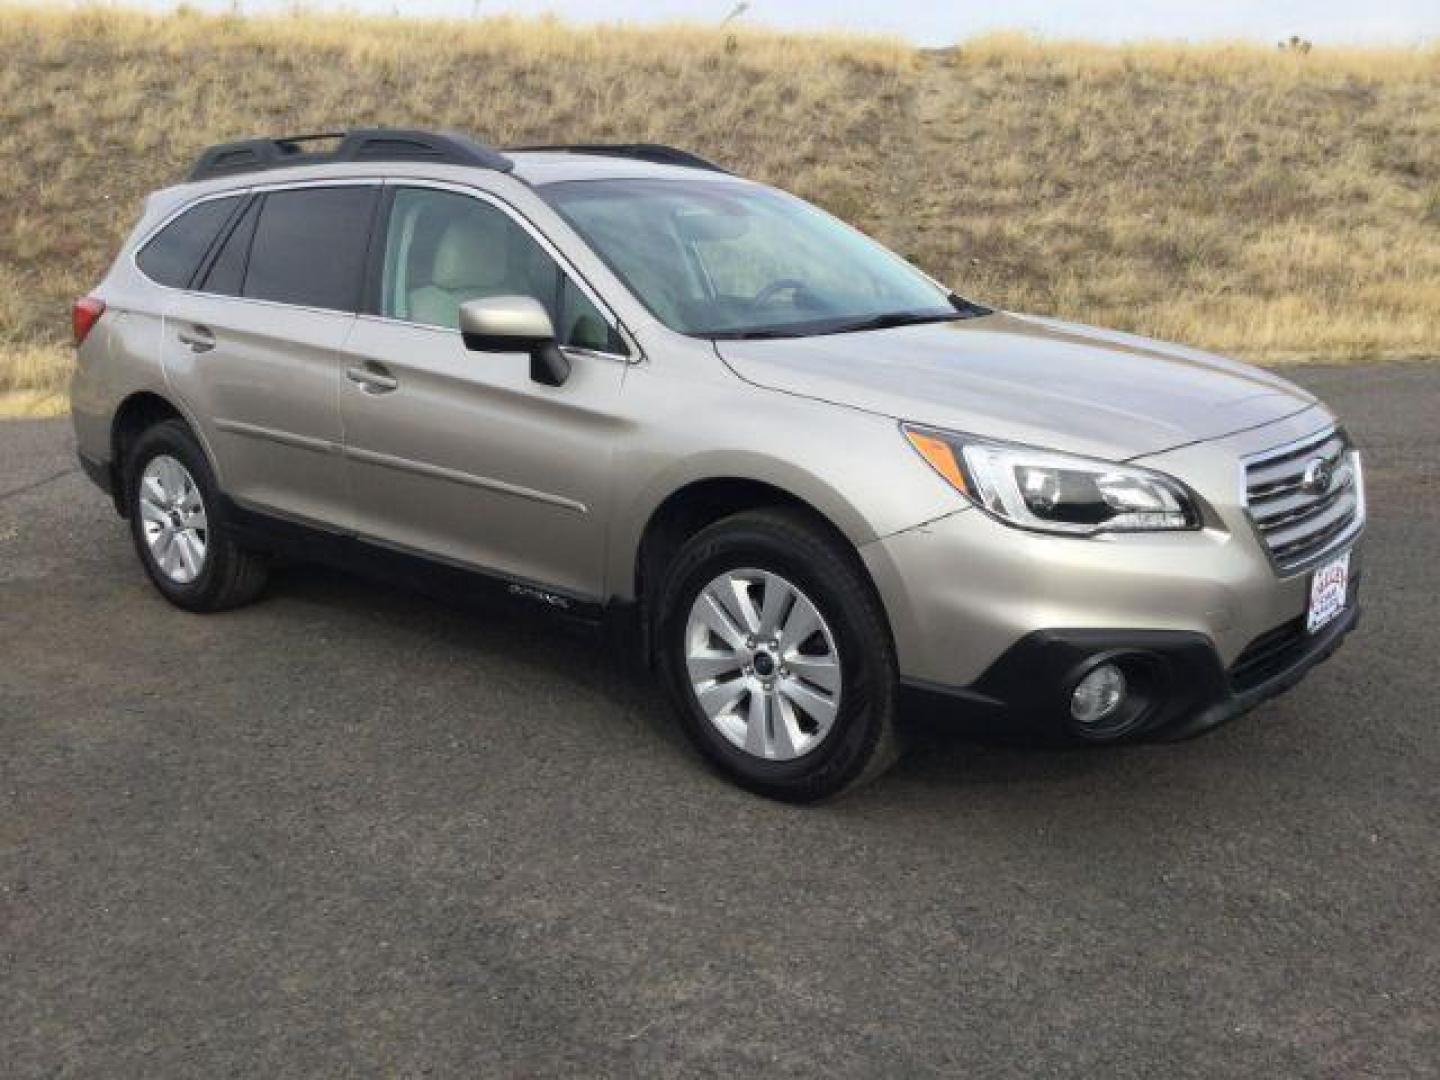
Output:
x,y
226,275
172,256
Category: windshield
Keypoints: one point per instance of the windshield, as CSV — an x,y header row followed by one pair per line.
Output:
x,y
723,259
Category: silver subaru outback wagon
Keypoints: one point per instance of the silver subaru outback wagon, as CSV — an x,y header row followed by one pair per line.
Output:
x,y
806,482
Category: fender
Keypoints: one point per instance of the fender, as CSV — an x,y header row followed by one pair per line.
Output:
x,y
630,524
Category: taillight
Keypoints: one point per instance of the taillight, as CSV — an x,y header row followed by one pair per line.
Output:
x,y
84,315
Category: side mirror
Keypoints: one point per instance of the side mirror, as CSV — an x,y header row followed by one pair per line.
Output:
x,y
515,324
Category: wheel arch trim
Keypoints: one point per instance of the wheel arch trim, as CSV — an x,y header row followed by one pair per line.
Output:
x,y
691,477
166,401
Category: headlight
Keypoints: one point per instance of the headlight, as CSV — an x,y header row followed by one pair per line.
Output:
x,y
1052,492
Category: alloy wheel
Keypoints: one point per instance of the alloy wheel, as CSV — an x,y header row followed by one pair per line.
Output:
x,y
763,664
172,517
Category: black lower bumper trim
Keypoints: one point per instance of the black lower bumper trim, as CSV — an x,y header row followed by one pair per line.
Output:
x,y
1185,688
1280,679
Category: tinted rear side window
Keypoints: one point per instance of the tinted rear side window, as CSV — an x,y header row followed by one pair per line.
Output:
x,y
227,272
174,254
309,247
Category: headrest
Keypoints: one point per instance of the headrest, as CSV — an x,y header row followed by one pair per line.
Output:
x,y
472,253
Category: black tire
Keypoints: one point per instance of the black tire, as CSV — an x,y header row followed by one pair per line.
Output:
x,y
862,741
230,575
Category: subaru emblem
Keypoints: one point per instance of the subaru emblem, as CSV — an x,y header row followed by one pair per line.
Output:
x,y
1318,474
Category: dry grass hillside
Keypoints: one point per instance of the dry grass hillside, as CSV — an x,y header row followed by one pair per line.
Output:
x,y
1279,206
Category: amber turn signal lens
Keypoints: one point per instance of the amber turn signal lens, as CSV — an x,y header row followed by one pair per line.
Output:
x,y
941,458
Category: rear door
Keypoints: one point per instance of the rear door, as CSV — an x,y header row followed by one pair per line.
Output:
x,y
254,347
460,454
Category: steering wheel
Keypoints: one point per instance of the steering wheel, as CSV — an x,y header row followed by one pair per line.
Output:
x,y
775,288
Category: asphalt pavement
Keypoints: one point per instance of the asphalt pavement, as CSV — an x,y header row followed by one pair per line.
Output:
x,y
351,831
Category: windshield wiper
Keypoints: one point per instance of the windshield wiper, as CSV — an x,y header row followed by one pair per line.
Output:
x,y
969,309
886,320
963,309
758,334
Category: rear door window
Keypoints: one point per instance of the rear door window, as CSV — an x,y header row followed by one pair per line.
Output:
x,y
174,254
309,247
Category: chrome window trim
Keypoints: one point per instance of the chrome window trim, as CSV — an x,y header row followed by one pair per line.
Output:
x,y
431,328
226,297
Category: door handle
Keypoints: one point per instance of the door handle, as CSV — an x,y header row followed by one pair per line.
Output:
x,y
198,338
372,378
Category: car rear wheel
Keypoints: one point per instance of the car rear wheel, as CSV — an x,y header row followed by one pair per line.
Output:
x,y
179,529
778,656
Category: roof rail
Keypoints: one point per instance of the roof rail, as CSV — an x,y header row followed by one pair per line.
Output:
x,y
652,152
361,144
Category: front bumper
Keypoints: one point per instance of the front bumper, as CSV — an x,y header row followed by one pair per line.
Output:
x,y
961,591
1184,690
979,611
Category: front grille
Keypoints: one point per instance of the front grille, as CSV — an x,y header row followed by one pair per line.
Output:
x,y
1300,518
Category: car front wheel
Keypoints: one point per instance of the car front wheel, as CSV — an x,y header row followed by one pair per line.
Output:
x,y
778,656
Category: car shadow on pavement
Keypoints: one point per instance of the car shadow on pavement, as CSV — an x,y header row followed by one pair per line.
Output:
x,y
567,654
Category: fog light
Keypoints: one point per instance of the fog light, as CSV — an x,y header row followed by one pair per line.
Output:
x,y
1098,695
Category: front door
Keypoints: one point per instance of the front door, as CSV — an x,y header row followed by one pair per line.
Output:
x,y
460,454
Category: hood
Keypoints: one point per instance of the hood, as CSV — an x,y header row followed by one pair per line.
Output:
x,y
1036,381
